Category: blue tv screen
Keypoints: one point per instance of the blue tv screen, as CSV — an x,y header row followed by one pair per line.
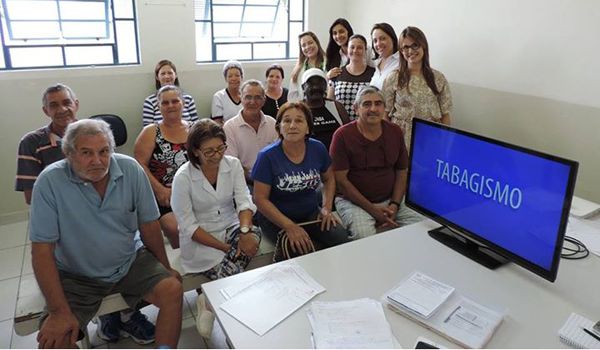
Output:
x,y
512,199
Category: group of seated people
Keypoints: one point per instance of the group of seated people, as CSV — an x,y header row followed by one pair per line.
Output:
x,y
269,163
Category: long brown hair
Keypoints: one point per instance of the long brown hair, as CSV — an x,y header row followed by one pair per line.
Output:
x,y
404,74
320,55
158,66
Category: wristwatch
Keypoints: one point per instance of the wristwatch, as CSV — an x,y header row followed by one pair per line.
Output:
x,y
245,229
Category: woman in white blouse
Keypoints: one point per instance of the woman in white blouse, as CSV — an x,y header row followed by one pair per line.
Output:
x,y
216,235
227,102
387,57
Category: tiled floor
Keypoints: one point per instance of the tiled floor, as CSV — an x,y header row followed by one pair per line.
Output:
x,y
15,263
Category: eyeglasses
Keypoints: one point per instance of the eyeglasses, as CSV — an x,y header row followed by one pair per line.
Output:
x,y
209,152
256,98
414,47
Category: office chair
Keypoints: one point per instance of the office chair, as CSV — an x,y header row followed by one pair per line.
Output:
x,y
117,125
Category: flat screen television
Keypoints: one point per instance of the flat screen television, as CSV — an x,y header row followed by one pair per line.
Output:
x,y
497,201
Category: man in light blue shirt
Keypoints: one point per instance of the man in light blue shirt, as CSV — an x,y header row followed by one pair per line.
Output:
x,y
85,214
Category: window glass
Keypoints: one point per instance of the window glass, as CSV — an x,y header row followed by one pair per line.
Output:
x,y
126,42
23,57
227,52
62,33
83,55
247,29
269,51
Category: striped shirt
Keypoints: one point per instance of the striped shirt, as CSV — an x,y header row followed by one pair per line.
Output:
x,y
151,113
37,150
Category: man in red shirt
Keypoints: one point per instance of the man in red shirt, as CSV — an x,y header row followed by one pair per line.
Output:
x,y
370,163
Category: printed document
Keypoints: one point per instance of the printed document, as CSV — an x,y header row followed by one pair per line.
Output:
x,y
586,232
272,297
420,294
355,324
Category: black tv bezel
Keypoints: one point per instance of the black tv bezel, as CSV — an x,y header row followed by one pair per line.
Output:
x,y
550,274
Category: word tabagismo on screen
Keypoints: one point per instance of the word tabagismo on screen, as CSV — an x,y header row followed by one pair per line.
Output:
x,y
480,184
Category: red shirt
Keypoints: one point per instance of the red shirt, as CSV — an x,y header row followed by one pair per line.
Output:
x,y
371,165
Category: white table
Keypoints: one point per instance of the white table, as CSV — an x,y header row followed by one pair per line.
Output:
x,y
535,308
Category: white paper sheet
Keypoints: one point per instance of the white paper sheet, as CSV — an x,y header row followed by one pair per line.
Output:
x,y
420,294
355,324
272,297
588,233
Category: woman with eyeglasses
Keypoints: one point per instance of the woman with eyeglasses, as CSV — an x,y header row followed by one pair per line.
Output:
x,y
311,55
414,89
385,45
165,73
287,177
161,150
214,211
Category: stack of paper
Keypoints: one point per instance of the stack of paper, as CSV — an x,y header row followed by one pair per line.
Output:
x,y
420,294
271,298
585,231
355,324
584,209
451,315
572,333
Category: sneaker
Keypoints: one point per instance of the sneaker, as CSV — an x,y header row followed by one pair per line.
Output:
x,y
108,327
138,328
206,319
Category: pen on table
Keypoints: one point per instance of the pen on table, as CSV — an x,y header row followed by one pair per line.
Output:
x,y
451,314
591,333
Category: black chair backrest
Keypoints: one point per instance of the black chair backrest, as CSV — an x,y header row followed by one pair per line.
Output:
x,y
117,125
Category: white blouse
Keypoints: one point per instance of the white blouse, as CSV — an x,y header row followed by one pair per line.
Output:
x,y
223,106
196,203
380,74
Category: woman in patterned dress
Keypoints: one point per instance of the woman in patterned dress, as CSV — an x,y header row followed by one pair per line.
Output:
x,y
415,90
161,150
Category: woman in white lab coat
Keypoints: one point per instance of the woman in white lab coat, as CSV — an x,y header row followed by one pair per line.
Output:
x,y
214,210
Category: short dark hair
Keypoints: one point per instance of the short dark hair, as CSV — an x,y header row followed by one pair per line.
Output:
x,y
203,130
58,87
161,64
294,105
274,67
232,64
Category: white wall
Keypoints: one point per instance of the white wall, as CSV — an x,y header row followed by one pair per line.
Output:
x,y
524,71
166,30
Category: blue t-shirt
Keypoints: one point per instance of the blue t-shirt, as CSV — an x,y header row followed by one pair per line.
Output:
x,y
293,186
95,237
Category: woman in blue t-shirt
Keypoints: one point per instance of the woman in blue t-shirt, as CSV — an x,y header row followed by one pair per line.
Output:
x,y
287,177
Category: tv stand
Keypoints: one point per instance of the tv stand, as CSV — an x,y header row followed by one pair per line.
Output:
x,y
474,251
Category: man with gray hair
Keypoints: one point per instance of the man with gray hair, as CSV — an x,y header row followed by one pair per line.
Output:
x,y
250,130
41,147
370,164
86,212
